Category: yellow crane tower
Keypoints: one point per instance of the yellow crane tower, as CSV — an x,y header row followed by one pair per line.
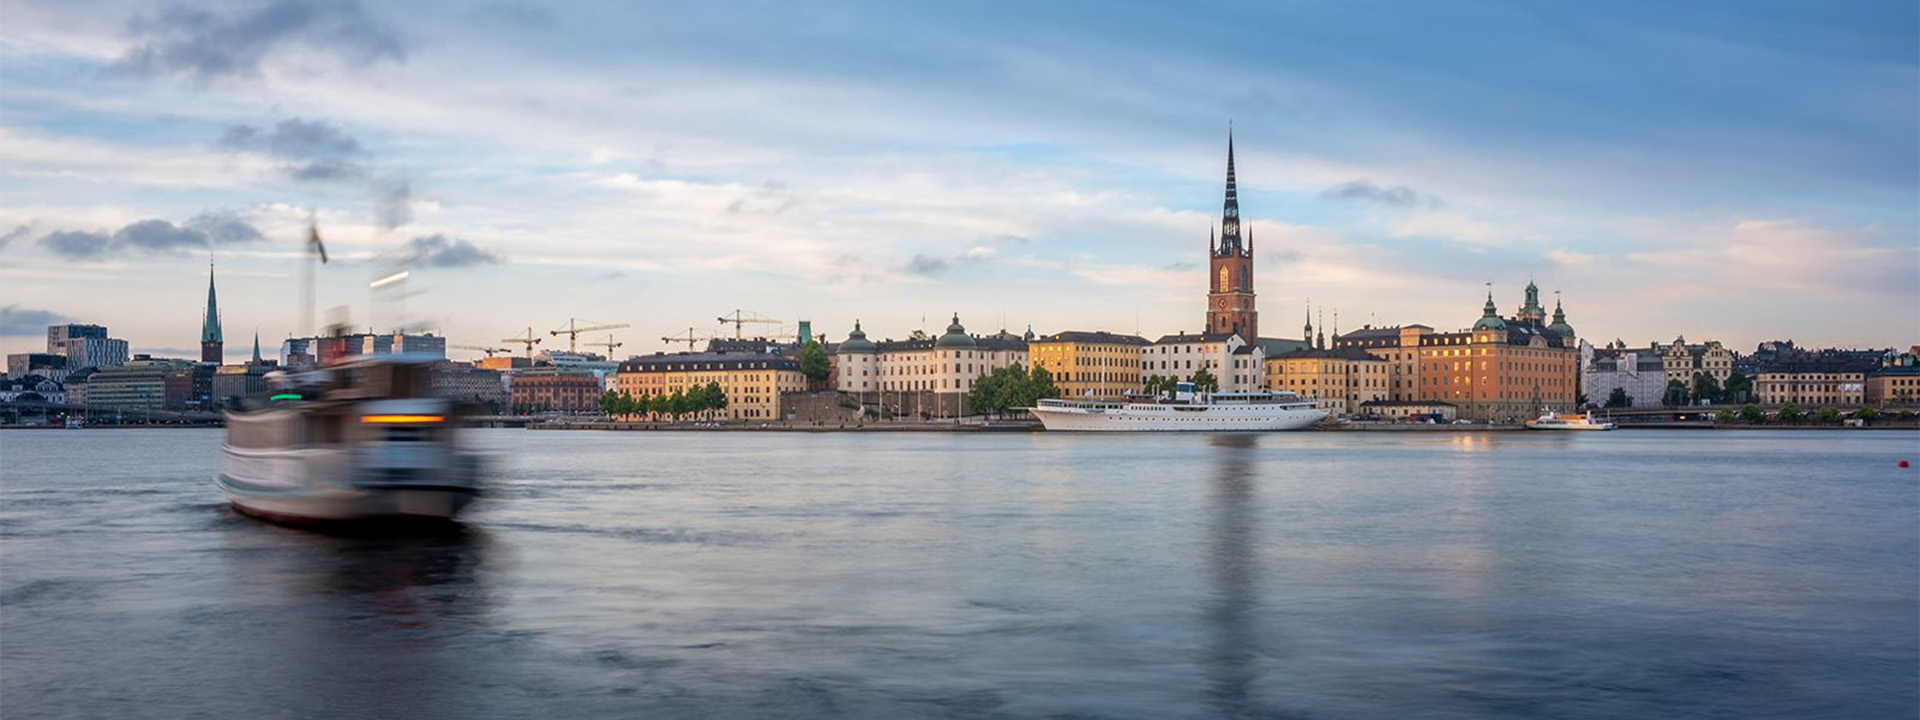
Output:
x,y
574,328
740,318
529,341
609,344
692,337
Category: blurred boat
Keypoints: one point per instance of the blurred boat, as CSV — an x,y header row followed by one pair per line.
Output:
x,y
361,440
1186,410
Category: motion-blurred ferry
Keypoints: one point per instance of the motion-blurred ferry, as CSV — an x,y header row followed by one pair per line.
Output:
x,y
1567,421
357,441
1185,411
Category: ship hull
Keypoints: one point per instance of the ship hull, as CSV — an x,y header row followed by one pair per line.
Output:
x,y
346,504
1168,418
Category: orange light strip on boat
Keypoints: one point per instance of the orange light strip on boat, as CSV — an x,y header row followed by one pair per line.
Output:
x,y
402,419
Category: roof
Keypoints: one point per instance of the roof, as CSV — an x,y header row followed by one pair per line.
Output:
x,y
1335,354
1185,338
1275,346
1094,336
1819,366
1370,332
664,362
1406,403
1897,371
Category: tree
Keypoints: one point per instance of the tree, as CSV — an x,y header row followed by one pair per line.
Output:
x,y
1726,415
813,361
1043,387
1739,388
609,403
1790,413
678,404
716,399
1827,415
1619,399
1705,388
1866,414
1676,394
1204,380
1753,414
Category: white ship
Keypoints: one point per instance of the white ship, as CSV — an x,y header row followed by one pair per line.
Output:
x,y
1186,411
1570,421
357,441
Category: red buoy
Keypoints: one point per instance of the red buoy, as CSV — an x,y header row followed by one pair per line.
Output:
x,y
1903,463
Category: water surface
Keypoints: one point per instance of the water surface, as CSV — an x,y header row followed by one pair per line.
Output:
x,y
1309,575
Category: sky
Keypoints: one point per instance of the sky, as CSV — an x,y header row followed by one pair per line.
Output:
x,y
1740,171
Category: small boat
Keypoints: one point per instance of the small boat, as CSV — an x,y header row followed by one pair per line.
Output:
x,y
1184,411
1567,421
357,441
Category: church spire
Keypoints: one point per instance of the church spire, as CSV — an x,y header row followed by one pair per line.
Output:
x,y
256,347
1230,210
1306,334
211,343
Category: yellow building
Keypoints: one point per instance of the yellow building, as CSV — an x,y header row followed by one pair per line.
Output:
x,y
1399,346
1813,384
752,382
1341,380
1894,386
1089,364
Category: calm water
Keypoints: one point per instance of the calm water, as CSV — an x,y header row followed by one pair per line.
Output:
x,y
739,575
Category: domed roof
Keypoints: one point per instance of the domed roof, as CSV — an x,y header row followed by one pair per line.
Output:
x,y
956,336
857,342
1490,317
1561,328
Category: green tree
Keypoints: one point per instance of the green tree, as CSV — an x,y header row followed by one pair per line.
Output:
x,y
1204,380
1705,388
678,404
1790,413
1676,394
1738,388
1619,399
1827,416
1043,387
609,403
813,361
985,395
1726,415
1753,414
715,398
1866,414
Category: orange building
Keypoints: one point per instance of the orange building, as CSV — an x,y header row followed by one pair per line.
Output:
x,y
1504,370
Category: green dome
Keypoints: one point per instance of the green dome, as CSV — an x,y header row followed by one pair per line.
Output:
x,y
1490,322
857,342
1562,329
956,336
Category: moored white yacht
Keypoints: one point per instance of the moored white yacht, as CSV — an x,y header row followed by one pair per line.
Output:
x,y
356,441
1567,421
1185,411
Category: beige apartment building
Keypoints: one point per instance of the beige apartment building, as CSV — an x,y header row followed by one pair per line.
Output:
x,y
1813,383
1340,380
752,382
1090,364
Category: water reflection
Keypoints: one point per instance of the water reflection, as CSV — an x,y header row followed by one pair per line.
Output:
x,y
1232,572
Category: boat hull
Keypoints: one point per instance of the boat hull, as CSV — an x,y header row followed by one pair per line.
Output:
x,y
1572,428
1167,419
344,504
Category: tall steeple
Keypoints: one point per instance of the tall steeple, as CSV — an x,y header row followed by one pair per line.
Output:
x,y
1230,210
212,345
1320,341
1306,334
256,347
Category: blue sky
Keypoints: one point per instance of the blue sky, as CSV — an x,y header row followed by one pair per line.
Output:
x,y
1741,171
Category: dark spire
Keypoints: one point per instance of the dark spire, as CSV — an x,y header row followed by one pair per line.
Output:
x,y
1307,334
1230,212
1320,340
256,347
210,324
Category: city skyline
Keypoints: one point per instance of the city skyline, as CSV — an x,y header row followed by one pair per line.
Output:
x,y
537,163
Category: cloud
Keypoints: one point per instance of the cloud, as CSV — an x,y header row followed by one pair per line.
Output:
x,y
440,251
924,266
392,202
76,244
205,46
204,231
314,151
1365,190
1571,258
14,234
16,320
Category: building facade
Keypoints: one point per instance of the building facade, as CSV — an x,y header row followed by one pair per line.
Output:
x,y
551,389
46,365
1681,361
1641,374
1813,383
141,384
1237,365
464,383
1503,369
753,383
1399,345
1341,380
93,352
1090,364
947,364
1897,386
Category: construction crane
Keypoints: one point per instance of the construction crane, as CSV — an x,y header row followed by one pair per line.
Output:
x,y
742,317
489,351
574,328
529,341
609,344
691,337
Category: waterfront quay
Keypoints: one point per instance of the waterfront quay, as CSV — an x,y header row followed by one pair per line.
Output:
x,y
1005,575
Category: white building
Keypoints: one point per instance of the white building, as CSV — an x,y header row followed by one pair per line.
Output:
x,y
1237,364
947,364
857,363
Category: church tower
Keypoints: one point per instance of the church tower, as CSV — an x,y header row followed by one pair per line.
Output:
x,y
212,347
1230,276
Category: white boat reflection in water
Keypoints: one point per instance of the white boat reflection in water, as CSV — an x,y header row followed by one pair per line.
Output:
x,y
356,441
